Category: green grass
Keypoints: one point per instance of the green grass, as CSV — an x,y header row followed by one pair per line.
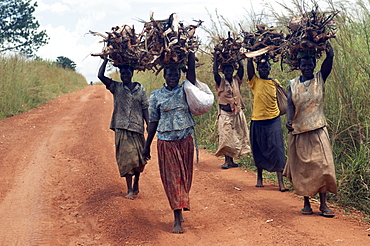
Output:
x,y
27,84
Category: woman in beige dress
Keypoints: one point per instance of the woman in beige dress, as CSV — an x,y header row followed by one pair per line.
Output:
x,y
310,164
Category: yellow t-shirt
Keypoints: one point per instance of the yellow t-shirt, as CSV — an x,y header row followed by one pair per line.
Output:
x,y
264,103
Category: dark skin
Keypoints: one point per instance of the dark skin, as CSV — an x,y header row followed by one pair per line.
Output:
x,y
264,69
307,66
172,78
126,77
228,72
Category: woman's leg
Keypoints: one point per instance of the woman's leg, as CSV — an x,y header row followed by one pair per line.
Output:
x,y
282,187
135,189
325,210
227,162
130,194
259,177
177,228
306,206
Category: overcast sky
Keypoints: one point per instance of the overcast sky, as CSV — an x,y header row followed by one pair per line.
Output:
x,y
67,21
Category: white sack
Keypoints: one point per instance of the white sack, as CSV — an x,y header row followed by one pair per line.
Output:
x,y
199,97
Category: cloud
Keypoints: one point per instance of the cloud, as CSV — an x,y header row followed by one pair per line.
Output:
x,y
56,8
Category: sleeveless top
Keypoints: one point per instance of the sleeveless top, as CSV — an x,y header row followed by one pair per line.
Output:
x,y
308,100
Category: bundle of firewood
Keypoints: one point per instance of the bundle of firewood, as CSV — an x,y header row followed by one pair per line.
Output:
x,y
227,51
122,46
168,42
161,43
307,36
264,39
265,43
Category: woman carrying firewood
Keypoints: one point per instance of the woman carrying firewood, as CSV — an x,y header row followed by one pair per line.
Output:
x,y
232,126
130,112
310,164
170,118
265,131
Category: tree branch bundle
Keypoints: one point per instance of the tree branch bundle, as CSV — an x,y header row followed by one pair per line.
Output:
x,y
307,36
228,51
168,42
161,43
264,37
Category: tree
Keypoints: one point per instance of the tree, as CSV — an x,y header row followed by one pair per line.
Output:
x,y
65,62
19,27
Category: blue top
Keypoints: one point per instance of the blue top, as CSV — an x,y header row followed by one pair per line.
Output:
x,y
171,110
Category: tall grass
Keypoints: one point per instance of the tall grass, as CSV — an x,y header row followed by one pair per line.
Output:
x,y
27,84
347,106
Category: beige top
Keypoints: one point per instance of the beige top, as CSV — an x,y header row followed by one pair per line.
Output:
x,y
229,93
308,99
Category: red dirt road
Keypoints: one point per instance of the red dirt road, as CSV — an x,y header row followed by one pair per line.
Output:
x,y
59,185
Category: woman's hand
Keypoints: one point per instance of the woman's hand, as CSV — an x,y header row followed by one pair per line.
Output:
x,y
289,126
146,153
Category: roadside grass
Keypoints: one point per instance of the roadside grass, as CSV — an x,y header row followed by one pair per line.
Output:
x,y
26,84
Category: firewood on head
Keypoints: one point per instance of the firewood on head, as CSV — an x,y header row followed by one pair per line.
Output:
x,y
308,34
263,43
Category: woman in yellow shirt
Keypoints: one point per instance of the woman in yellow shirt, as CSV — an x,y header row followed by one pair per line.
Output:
x,y
266,135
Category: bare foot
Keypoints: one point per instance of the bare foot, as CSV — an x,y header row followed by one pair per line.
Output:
x,y
135,192
177,229
130,196
259,183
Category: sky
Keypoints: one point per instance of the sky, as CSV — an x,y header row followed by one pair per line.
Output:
x,y
67,23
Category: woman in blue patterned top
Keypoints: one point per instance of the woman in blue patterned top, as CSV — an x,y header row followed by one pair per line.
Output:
x,y
170,118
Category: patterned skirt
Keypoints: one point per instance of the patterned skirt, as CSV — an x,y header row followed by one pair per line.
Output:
x,y
175,159
129,147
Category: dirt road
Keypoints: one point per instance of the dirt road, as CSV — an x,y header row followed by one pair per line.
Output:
x,y
59,185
